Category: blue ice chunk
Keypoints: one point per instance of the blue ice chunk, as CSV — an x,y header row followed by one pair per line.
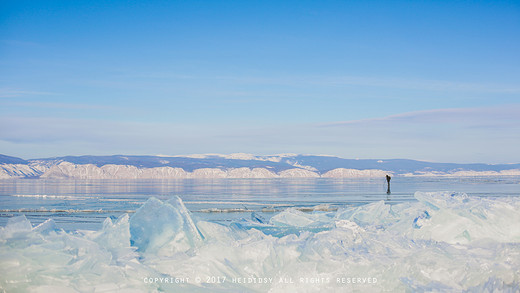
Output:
x,y
187,222
15,226
115,238
494,284
115,234
377,214
18,224
292,217
417,222
163,226
257,218
440,200
432,286
47,227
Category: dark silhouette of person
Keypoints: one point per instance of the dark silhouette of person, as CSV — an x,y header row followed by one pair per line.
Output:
x,y
388,178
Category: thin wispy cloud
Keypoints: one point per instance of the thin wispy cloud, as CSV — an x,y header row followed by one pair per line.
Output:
x,y
51,105
382,82
102,131
450,115
419,84
15,93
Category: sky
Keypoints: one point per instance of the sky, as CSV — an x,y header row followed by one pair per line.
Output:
x,y
427,80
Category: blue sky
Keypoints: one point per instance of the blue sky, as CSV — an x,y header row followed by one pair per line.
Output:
x,y
428,80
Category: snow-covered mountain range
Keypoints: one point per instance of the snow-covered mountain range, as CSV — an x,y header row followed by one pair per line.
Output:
x,y
235,166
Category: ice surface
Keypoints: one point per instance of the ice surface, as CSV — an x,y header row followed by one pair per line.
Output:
x,y
444,242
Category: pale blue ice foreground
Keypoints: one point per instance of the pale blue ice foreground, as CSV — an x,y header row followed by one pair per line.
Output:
x,y
445,242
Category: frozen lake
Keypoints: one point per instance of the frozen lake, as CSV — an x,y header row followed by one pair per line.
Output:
x,y
261,235
84,204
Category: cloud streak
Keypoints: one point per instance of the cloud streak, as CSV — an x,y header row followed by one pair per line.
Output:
x,y
383,82
421,84
480,116
15,93
50,105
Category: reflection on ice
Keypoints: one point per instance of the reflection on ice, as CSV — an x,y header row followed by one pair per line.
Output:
x,y
444,242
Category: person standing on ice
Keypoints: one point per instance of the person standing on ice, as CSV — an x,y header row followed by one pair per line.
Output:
x,y
388,178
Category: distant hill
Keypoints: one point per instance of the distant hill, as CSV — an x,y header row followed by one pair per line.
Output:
x,y
11,160
187,163
235,166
